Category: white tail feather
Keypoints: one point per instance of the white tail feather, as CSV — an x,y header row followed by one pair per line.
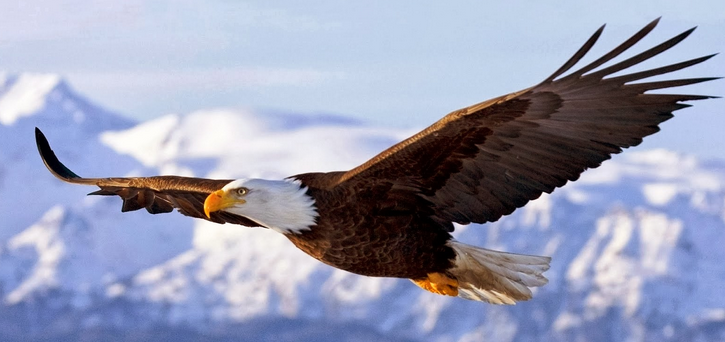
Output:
x,y
496,277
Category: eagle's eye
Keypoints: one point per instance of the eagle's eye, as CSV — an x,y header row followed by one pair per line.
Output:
x,y
242,191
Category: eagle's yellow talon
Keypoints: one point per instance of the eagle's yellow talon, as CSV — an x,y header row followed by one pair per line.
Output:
x,y
438,283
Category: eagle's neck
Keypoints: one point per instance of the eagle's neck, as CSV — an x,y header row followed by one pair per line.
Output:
x,y
280,205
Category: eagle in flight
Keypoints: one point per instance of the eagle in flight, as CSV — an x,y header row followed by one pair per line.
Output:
x,y
393,215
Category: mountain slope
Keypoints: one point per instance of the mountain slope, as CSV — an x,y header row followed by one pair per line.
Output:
x,y
53,235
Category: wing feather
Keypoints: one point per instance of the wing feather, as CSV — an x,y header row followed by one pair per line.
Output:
x,y
641,57
484,161
615,52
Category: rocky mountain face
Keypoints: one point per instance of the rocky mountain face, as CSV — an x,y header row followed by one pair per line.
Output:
x,y
636,244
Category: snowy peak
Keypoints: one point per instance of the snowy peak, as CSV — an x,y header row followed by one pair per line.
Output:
x,y
49,250
25,94
224,143
46,100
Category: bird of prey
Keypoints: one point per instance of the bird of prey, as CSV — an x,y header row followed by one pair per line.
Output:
x,y
393,215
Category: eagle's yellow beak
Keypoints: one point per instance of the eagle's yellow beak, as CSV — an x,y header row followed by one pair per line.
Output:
x,y
219,200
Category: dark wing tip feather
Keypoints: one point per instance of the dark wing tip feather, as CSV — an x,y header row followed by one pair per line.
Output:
x,y
619,50
612,54
51,161
648,86
643,56
634,39
660,71
577,56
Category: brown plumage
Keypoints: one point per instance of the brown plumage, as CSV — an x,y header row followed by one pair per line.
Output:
x,y
392,216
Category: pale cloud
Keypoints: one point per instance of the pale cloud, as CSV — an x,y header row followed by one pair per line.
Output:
x,y
209,79
67,19
62,19
285,20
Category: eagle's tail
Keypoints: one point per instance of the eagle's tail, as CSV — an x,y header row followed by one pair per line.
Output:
x,y
496,277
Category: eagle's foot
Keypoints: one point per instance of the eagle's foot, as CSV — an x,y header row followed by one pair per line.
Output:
x,y
438,283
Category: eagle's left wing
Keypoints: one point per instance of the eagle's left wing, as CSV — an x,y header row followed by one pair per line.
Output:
x,y
159,194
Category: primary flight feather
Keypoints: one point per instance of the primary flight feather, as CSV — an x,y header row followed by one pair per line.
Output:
x,y
393,215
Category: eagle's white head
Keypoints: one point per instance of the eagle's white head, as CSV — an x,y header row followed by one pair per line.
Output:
x,y
283,206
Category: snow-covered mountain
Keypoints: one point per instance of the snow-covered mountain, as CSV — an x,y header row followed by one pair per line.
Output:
x,y
636,244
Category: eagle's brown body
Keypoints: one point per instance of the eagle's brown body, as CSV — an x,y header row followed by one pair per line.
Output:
x,y
375,229
392,216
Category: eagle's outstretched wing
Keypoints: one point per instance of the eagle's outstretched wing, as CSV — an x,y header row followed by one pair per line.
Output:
x,y
160,194
481,162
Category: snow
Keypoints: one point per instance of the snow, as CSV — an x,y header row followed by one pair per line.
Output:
x,y
636,244
24,95
659,194
43,239
567,321
143,141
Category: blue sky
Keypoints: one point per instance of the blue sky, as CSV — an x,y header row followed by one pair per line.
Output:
x,y
400,64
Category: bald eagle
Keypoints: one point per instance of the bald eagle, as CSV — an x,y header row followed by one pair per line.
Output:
x,y
393,215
